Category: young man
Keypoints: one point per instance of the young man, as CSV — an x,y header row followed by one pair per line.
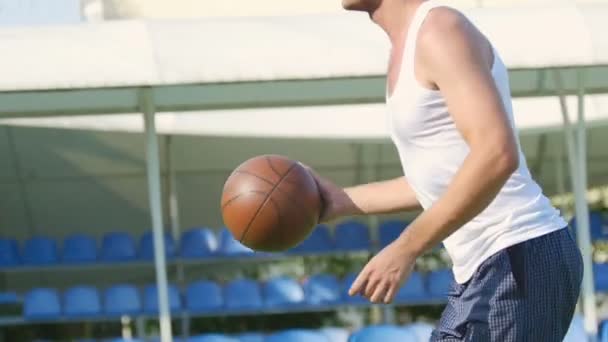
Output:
x,y
517,268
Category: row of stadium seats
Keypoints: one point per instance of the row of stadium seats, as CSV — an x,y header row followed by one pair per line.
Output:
x,y
416,332
321,291
194,243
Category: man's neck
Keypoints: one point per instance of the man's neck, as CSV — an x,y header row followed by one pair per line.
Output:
x,y
395,16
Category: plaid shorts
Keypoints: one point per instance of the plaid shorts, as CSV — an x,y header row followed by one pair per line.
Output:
x,y
527,292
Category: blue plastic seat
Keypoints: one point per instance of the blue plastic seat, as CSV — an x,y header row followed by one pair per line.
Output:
x,y
335,334
600,277
597,225
41,303
122,300
204,296
198,243
347,282
322,289
40,251
412,290
319,241
118,247
9,253
352,236
389,231
119,339
81,301
146,246
603,333
422,331
297,335
151,299
384,333
243,294
251,337
576,332
439,283
283,292
230,247
9,298
79,248
212,338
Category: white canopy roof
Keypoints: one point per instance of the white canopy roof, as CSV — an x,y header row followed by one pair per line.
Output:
x,y
127,53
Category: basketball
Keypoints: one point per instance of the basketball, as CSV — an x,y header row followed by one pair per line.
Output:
x,y
270,203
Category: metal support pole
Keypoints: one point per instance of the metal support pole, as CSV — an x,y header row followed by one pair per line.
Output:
x,y
173,204
582,217
154,193
579,182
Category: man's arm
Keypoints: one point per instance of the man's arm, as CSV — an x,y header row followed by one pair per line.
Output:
x,y
389,196
454,56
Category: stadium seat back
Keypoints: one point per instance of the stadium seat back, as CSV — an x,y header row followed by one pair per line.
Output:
x,y
298,336
146,245
389,231
122,300
81,301
243,294
319,241
40,251
352,236
283,291
204,296
322,289
42,303
9,253
151,299
198,243
118,246
79,248
383,333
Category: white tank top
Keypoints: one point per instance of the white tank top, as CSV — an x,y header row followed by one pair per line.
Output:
x,y
432,150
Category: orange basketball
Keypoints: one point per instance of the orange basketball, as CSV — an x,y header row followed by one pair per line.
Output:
x,y
270,203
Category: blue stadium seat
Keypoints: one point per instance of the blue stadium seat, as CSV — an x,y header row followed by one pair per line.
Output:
x,y
251,337
281,292
384,333
439,283
603,333
229,246
118,247
204,296
81,301
122,300
600,276
352,236
9,253
9,298
198,243
321,289
297,335
422,331
597,225
79,248
576,331
390,230
39,251
212,338
146,246
347,282
319,241
41,303
119,339
151,299
243,294
335,334
413,290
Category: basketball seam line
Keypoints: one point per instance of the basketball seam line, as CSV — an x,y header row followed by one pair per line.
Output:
x,y
265,201
291,199
242,194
